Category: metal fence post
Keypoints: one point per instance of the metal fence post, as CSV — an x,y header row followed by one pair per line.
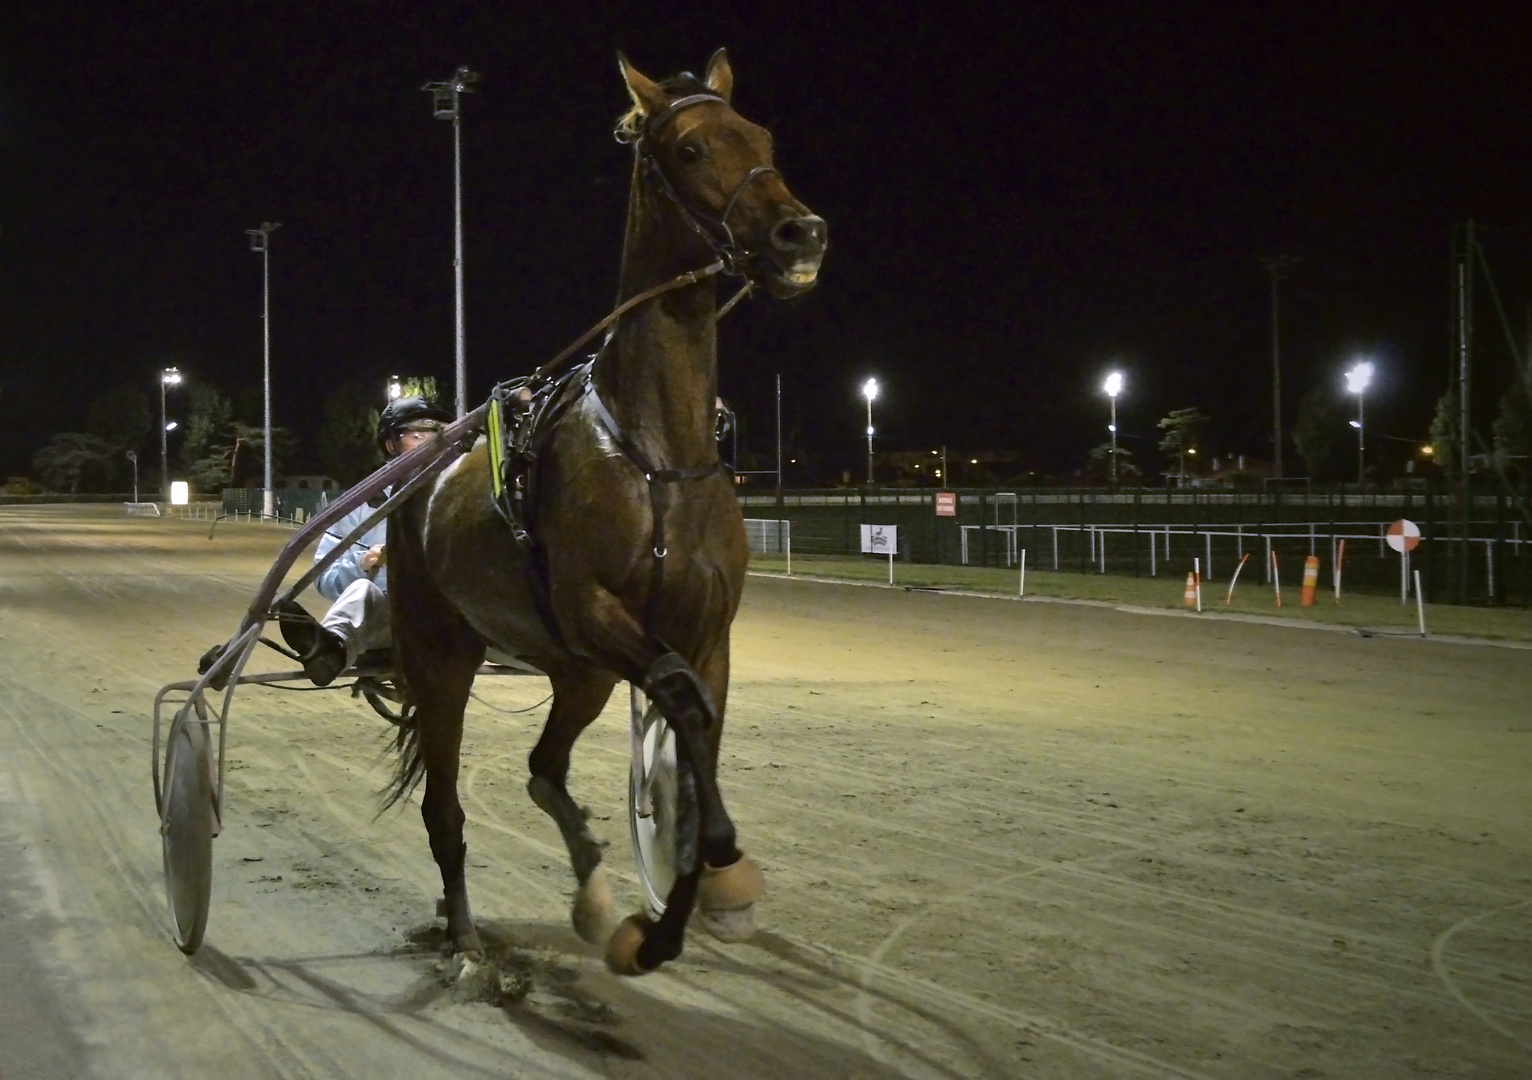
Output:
x,y
1137,506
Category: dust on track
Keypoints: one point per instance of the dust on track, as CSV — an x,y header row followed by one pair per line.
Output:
x,y
1001,840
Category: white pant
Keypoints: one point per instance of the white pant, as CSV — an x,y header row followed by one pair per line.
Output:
x,y
360,616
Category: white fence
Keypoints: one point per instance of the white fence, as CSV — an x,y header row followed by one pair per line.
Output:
x,y
1199,539
769,536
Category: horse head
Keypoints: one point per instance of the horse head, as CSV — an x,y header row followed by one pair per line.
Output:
x,y
715,168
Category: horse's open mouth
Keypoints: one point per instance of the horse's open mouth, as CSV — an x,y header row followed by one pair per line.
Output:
x,y
787,282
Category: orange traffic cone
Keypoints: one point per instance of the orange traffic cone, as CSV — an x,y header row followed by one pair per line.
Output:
x,y
1191,590
1310,581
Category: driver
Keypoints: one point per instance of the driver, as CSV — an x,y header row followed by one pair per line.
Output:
x,y
357,582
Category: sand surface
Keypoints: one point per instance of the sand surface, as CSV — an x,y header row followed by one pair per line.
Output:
x,y
1001,839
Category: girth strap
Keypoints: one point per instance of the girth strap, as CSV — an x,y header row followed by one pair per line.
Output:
x,y
656,479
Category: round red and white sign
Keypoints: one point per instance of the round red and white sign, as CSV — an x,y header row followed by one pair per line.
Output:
x,y
1403,535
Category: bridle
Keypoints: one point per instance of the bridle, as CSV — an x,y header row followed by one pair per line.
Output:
x,y
715,231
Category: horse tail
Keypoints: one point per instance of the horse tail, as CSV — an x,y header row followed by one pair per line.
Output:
x,y
410,766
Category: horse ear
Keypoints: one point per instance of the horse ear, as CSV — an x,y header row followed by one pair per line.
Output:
x,y
720,76
648,98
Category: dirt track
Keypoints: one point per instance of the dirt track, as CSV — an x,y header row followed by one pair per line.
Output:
x,y
1002,840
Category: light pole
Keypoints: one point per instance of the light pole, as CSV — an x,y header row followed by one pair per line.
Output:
x,y
1113,387
1356,383
869,391
133,457
446,105
168,377
1277,268
260,243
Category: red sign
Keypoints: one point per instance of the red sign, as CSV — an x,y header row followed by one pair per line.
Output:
x,y
946,504
1403,535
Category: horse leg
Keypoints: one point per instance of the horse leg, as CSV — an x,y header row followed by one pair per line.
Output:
x,y
579,695
731,882
438,654
608,630
440,731
727,881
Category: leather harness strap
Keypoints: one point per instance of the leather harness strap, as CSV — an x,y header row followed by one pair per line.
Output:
x,y
655,479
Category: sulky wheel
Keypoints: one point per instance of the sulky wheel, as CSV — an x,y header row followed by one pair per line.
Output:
x,y
662,810
186,829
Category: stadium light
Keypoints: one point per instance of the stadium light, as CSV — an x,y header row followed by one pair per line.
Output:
x,y
168,377
1113,387
1356,383
395,388
870,392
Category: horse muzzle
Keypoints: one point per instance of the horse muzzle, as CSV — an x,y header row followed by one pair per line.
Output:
x,y
797,248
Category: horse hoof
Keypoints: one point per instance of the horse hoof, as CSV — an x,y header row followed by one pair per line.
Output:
x,y
468,945
732,887
731,927
622,949
594,912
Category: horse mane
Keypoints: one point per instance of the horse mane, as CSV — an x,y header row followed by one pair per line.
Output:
x,y
630,125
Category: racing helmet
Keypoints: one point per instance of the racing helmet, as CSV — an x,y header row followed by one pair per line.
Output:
x,y
407,413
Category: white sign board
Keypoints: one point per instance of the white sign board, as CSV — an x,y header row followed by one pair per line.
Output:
x,y
880,539
180,493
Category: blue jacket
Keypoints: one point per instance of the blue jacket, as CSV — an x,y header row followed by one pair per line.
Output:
x,y
346,569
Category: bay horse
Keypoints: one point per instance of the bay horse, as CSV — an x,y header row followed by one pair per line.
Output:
x,y
635,527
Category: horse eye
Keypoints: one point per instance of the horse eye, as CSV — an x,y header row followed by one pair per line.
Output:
x,y
687,154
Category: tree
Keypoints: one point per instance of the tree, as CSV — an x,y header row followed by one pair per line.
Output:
x,y
210,413
1099,464
348,446
1444,430
218,449
250,439
1315,435
120,415
421,386
1182,430
73,457
1513,430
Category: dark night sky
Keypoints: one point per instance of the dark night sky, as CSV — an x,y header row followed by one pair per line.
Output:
x,y
1019,198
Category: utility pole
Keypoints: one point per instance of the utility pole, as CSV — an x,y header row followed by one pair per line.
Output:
x,y
779,444
260,243
446,104
1277,268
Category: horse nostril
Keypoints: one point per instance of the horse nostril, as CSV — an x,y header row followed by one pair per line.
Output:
x,y
789,235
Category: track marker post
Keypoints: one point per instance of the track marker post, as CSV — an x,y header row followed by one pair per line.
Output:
x,y
1197,578
1021,585
1404,536
1276,578
1420,605
1310,581
1340,557
1243,559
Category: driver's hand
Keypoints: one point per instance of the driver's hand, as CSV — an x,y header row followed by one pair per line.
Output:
x,y
374,557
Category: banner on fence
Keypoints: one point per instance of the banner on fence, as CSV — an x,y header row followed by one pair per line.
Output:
x,y
880,539
946,504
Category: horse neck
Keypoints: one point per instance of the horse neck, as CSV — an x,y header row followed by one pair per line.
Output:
x,y
659,378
